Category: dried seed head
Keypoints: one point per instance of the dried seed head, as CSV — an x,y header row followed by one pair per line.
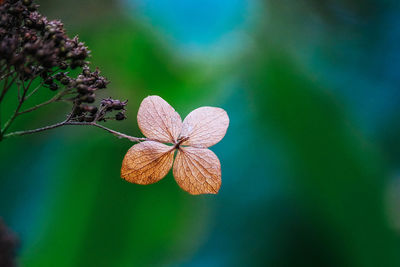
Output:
x,y
33,46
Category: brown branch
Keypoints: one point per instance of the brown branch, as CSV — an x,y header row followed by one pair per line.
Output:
x,y
19,133
66,122
20,102
7,85
118,134
8,73
3,69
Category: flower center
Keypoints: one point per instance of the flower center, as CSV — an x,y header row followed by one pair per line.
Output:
x,y
181,139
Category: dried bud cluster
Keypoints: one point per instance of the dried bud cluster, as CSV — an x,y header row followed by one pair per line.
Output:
x,y
87,113
31,47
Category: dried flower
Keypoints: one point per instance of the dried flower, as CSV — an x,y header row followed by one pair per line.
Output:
x,y
197,169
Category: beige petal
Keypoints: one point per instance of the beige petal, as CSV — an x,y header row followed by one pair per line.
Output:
x,y
197,170
205,126
147,162
158,120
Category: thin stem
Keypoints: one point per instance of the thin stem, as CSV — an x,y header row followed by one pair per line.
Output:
x,y
66,122
118,134
100,114
33,91
7,86
20,102
3,69
51,100
19,133
3,76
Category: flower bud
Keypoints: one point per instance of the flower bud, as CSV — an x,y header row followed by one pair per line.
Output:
x,y
93,110
32,8
59,76
82,89
63,66
120,116
28,23
27,2
90,98
86,72
48,81
64,81
53,87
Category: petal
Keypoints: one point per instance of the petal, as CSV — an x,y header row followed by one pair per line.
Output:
x,y
197,170
205,126
147,162
158,120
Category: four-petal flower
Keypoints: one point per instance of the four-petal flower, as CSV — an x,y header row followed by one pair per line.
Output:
x,y
197,169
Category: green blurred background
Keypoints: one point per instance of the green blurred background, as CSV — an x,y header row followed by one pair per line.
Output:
x,y
310,162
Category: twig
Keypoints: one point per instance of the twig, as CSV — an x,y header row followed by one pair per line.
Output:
x,y
66,122
6,74
19,133
3,68
20,102
118,134
100,113
72,111
51,100
7,86
34,91
19,93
